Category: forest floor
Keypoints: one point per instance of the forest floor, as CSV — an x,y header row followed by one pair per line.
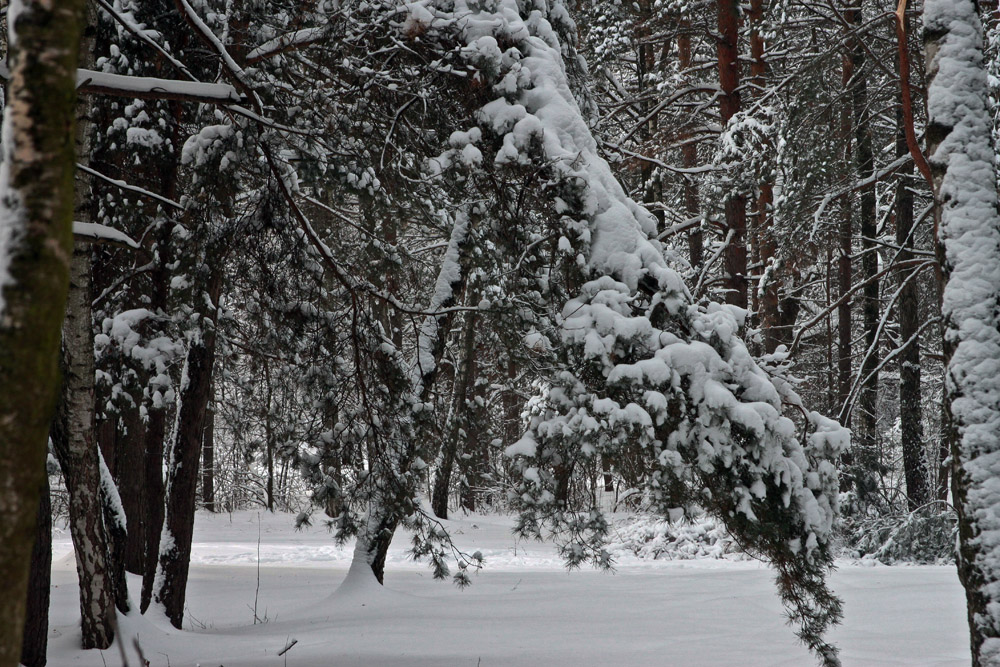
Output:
x,y
523,608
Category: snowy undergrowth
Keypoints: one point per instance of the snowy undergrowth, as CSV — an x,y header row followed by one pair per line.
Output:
x,y
661,539
924,536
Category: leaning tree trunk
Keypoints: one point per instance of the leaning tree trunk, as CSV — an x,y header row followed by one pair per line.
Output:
x,y
36,627
961,157
36,216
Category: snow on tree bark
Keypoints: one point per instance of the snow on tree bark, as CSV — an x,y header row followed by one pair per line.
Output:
x,y
961,155
75,443
36,209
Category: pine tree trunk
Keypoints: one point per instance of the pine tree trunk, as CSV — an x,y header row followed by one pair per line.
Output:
x,y
729,104
451,448
845,269
689,160
36,222
474,450
36,627
131,457
961,156
182,471
442,479
775,332
908,313
866,464
156,428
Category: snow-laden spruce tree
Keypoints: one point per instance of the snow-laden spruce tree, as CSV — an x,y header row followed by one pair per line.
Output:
x,y
961,158
624,357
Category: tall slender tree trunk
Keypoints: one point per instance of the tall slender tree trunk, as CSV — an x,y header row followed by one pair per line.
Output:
x,y
131,457
36,627
845,270
689,160
75,435
156,429
75,444
908,314
735,260
867,462
185,453
36,216
474,453
766,245
459,423
269,438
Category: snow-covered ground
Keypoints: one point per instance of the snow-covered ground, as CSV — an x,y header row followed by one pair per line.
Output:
x,y
522,609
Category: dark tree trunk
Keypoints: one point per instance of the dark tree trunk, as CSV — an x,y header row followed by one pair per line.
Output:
x,y
116,525
729,104
475,456
442,480
36,627
775,328
156,428
689,160
185,454
908,312
155,494
867,463
460,421
131,457
845,270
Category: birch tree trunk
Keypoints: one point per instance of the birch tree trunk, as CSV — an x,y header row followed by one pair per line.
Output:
x,y
36,215
961,156
75,442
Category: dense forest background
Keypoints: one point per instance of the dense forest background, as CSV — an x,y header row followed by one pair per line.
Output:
x,y
378,262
